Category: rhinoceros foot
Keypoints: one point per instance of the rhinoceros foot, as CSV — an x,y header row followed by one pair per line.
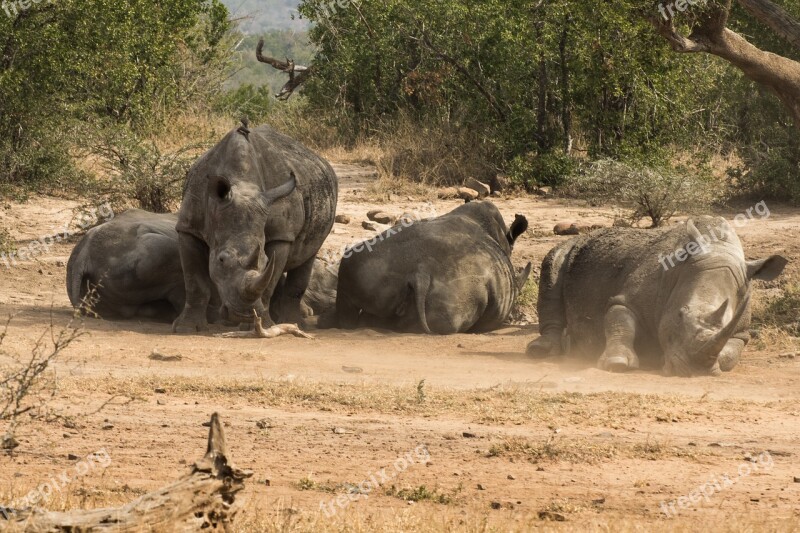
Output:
x,y
190,322
619,362
544,347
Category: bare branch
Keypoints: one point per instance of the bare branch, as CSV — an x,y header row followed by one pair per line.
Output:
x,y
298,74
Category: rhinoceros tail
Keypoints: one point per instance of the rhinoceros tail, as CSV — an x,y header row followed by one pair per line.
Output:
x,y
421,285
76,272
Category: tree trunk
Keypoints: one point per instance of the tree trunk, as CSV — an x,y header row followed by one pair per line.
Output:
x,y
778,74
203,499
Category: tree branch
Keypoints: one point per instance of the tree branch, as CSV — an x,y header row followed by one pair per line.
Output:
x,y
298,74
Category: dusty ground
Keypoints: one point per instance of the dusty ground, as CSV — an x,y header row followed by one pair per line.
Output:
x,y
513,444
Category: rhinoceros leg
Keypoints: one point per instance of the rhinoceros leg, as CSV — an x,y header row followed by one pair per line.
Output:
x,y
194,260
620,330
552,319
730,355
291,305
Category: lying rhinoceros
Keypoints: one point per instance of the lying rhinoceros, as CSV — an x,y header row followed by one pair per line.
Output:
x,y
134,264
679,295
255,206
445,275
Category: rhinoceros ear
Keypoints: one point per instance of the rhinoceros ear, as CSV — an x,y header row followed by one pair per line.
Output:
x,y
219,188
273,195
519,227
766,269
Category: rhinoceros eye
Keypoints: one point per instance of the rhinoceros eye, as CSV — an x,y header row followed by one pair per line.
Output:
x,y
223,190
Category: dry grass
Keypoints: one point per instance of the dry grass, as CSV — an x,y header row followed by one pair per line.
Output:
x,y
496,405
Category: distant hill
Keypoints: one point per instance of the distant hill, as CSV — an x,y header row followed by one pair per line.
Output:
x,y
260,16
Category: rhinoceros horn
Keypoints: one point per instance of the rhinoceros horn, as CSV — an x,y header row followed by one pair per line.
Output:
x,y
715,345
255,282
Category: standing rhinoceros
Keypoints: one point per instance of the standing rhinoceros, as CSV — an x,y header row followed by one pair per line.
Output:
x,y
679,295
445,275
134,265
255,206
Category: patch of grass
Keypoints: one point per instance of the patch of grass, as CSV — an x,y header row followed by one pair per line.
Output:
x,y
554,449
781,311
423,493
307,483
525,307
6,242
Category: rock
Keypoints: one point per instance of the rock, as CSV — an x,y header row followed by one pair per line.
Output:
x,y
566,228
497,194
161,402
481,188
574,228
511,477
339,431
467,194
107,427
8,442
797,479
448,193
264,423
60,264
374,226
342,219
481,487
72,457
544,192
382,218
468,435
499,183
496,505
159,390
550,515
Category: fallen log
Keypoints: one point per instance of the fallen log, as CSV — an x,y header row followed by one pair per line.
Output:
x,y
203,499
259,332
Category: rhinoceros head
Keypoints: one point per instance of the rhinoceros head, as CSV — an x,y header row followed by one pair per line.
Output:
x,y
710,299
239,206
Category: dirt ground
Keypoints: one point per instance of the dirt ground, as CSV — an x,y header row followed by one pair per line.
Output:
x,y
471,434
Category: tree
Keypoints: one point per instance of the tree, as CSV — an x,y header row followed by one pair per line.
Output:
x,y
710,34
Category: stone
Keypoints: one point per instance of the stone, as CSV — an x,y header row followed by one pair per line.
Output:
x,y
478,186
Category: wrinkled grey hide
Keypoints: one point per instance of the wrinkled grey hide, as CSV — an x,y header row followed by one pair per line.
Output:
x,y
446,275
134,263
255,206
608,295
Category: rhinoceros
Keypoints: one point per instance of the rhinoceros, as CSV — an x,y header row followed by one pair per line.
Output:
x,y
445,275
677,296
257,205
134,265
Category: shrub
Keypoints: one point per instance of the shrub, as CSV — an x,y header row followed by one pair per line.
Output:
x,y
654,192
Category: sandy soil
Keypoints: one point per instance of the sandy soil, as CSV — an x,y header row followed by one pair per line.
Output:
x,y
513,443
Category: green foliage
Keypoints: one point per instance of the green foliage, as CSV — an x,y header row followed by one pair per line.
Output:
x,y
532,81
254,103
131,63
6,242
